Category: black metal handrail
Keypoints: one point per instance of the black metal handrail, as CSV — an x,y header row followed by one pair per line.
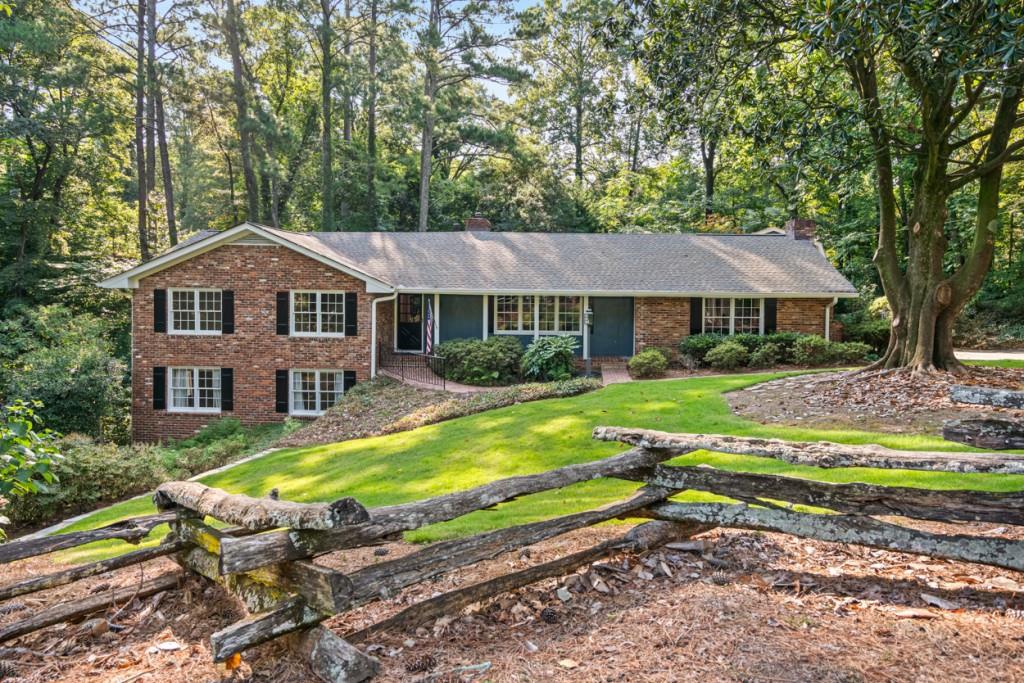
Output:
x,y
416,367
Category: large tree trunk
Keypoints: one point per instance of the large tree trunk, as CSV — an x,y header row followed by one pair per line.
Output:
x,y
150,100
233,38
326,142
371,121
165,164
140,134
577,143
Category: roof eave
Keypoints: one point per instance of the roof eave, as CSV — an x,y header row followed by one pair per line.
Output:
x,y
129,279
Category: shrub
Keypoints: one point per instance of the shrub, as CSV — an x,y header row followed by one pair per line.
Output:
x,y
850,352
550,359
92,473
785,341
728,355
27,455
648,363
489,362
697,346
812,350
751,342
768,355
871,331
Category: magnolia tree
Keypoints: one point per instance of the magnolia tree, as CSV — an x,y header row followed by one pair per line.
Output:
x,y
927,95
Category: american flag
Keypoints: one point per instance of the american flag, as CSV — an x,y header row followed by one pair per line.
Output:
x,y
429,347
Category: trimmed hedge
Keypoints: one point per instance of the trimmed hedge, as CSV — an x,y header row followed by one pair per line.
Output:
x,y
483,362
648,363
765,351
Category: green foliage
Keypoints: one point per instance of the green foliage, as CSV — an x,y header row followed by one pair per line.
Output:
x,y
94,473
27,455
648,363
811,350
728,355
767,355
550,358
66,361
696,346
491,362
849,352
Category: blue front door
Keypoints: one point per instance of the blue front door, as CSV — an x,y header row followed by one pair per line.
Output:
x,y
611,331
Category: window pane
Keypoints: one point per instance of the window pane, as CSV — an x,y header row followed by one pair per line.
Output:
x,y
330,389
209,388
183,311
716,316
528,313
546,306
209,311
182,390
304,311
747,316
332,313
507,317
569,314
304,391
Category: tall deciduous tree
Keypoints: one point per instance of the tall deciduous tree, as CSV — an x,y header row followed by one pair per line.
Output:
x,y
937,85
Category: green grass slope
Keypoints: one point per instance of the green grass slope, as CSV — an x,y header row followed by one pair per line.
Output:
x,y
533,437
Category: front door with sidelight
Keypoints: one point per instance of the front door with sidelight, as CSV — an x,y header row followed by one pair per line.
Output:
x,y
410,322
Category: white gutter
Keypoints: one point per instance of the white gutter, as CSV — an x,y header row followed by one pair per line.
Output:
x,y
828,318
373,331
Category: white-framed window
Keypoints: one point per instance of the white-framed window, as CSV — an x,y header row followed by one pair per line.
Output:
x,y
318,314
314,391
194,390
195,311
555,314
733,316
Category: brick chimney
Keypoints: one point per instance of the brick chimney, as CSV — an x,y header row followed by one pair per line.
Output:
x,y
801,228
477,223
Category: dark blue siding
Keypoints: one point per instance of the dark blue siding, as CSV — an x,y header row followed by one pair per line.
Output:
x,y
461,317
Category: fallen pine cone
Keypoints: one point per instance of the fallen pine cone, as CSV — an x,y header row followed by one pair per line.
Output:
x,y
720,578
421,663
380,552
549,616
1014,614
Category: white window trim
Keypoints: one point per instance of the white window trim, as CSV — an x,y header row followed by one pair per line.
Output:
x,y
292,410
319,321
732,313
535,323
195,311
195,383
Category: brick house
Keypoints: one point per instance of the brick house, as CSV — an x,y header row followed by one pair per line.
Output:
x,y
261,323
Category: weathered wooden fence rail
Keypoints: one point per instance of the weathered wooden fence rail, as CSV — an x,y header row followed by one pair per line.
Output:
x,y
267,560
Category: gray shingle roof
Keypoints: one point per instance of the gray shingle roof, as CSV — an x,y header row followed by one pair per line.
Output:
x,y
570,262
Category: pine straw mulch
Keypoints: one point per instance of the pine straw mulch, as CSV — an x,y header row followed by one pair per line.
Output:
x,y
885,401
736,606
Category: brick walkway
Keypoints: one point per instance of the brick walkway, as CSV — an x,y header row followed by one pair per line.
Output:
x,y
614,373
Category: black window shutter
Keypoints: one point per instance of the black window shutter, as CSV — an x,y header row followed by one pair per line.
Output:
x,y
696,315
159,310
351,314
349,380
770,315
282,313
160,388
227,305
227,389
282,391
488,314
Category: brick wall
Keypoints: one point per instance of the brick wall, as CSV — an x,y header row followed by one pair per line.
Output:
x,y
660,321
664,321
802,315
255,351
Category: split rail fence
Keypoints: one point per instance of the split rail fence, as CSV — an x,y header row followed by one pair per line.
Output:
x,y
266,558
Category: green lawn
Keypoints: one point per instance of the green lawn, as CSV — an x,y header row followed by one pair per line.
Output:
x,y
1007,363
533,437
